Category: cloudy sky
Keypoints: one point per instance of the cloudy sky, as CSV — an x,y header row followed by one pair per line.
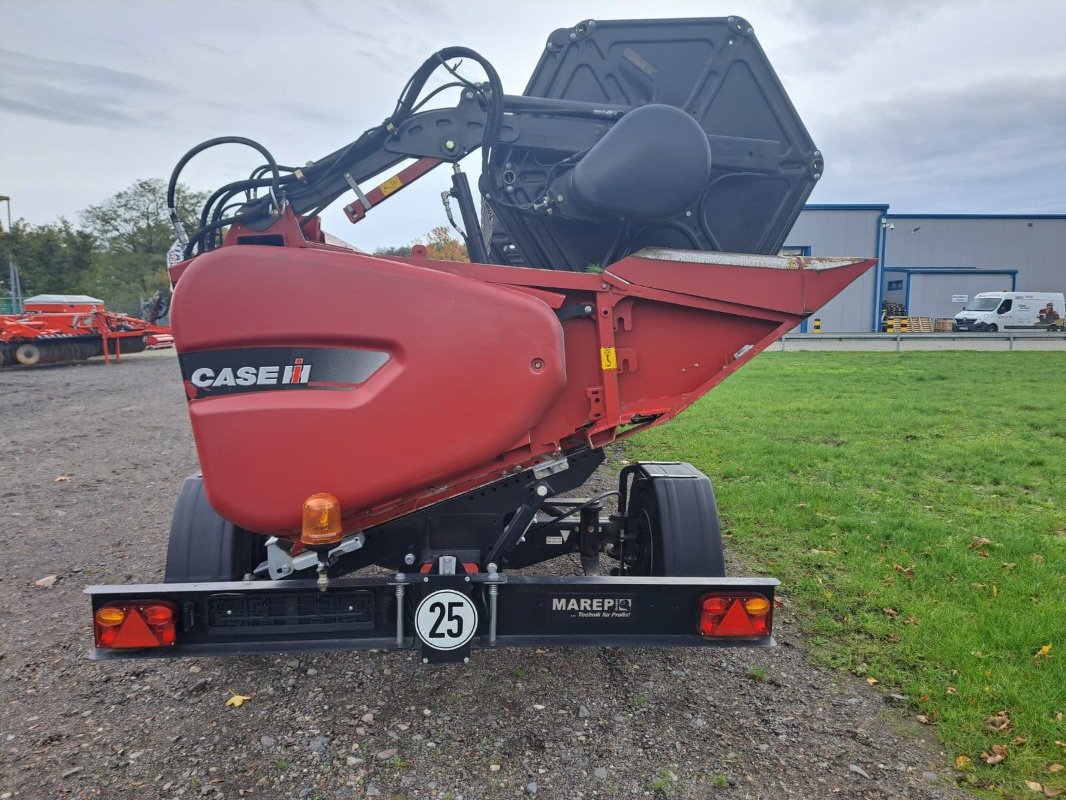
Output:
x,y
928,106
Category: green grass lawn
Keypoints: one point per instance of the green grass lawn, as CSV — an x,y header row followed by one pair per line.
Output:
x,y
913,507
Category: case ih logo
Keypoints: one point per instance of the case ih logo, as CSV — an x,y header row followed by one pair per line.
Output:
x,y
297,372
213,373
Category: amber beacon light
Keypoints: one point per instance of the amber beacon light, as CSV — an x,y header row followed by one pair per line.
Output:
x,y
322,520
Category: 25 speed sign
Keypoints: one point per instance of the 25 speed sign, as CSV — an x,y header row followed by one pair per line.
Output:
x,y
446,619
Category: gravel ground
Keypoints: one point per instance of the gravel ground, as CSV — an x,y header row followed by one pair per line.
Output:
x,y
93,458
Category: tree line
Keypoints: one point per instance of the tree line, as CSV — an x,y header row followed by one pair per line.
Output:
x,y
118,249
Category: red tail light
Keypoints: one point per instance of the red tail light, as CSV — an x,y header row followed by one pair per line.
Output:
x,y
125,626
735,615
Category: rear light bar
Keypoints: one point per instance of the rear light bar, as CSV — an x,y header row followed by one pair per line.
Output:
x,y
735,615
128,626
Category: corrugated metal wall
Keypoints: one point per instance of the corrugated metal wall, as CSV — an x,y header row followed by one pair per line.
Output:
x,y
843,232
1035,247
931,294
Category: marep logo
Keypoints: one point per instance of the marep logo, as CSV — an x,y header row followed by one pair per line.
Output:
x,y
593,607
296,373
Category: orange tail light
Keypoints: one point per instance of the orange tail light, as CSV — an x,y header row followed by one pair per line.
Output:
x,y
734,615
127,626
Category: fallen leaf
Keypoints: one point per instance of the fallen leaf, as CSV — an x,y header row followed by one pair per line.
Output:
x,y
963,762
902,570
1020,740
1008,565
952,690
1036,558
1000,721
1051,792
62,479
47,582
891,612
1043,652
1055,768
872,681
237,700
995,590
977,542
911,621
999,752
922,718
1036,787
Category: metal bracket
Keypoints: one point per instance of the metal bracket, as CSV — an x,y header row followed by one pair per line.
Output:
x,y
549,467
358,192
280,564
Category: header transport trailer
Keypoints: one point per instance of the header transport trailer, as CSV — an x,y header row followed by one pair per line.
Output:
x,y
430,418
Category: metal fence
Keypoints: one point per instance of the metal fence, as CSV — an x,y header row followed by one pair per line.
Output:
x,y
899,342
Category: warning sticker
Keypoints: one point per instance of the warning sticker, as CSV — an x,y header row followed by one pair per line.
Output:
x,y
391,185
608,358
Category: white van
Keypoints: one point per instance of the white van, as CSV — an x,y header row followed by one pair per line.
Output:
x,y
997,311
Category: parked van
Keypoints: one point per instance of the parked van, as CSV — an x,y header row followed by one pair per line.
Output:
x,y
997,311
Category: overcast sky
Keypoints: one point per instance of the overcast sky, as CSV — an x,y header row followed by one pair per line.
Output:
x,y
928,106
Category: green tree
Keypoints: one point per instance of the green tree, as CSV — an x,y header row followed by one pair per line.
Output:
x,y
134,231
403,251
51,259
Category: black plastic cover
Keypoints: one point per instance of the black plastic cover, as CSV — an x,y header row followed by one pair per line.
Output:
x,y
652,165
764,163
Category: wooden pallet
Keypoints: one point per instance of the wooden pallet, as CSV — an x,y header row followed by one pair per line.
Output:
x,y
909,324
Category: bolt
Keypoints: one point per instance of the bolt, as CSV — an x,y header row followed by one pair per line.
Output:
x,y
558,198
688,213
467,579
409,559
603,285
542,490
425,580
469,95
573,37
510,189
492,566
466,660
425,660
588,309
449,145
538,364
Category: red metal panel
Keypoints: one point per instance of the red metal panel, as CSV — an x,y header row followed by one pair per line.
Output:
x,y
482,378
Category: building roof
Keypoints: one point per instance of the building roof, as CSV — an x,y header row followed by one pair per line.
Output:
x,y
63,300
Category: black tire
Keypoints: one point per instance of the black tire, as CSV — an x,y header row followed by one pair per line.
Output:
x,y
205,547
673,516
993,328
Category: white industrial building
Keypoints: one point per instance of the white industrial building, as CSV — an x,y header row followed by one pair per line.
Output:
x,y
928,262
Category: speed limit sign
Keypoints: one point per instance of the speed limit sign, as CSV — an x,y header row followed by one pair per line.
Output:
x,y
446,620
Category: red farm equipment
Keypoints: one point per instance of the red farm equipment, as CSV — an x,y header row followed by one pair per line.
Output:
x,y
54,328
432,418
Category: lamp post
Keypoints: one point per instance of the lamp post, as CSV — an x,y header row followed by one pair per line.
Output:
x,y
12,272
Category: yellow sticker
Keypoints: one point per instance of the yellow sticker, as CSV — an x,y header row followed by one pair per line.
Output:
x,y
608,358
391,185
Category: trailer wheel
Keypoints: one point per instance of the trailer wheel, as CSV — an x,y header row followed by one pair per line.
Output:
x,y
204,546
28,354
672,526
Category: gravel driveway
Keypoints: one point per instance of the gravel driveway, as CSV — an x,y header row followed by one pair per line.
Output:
x,y
93,457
